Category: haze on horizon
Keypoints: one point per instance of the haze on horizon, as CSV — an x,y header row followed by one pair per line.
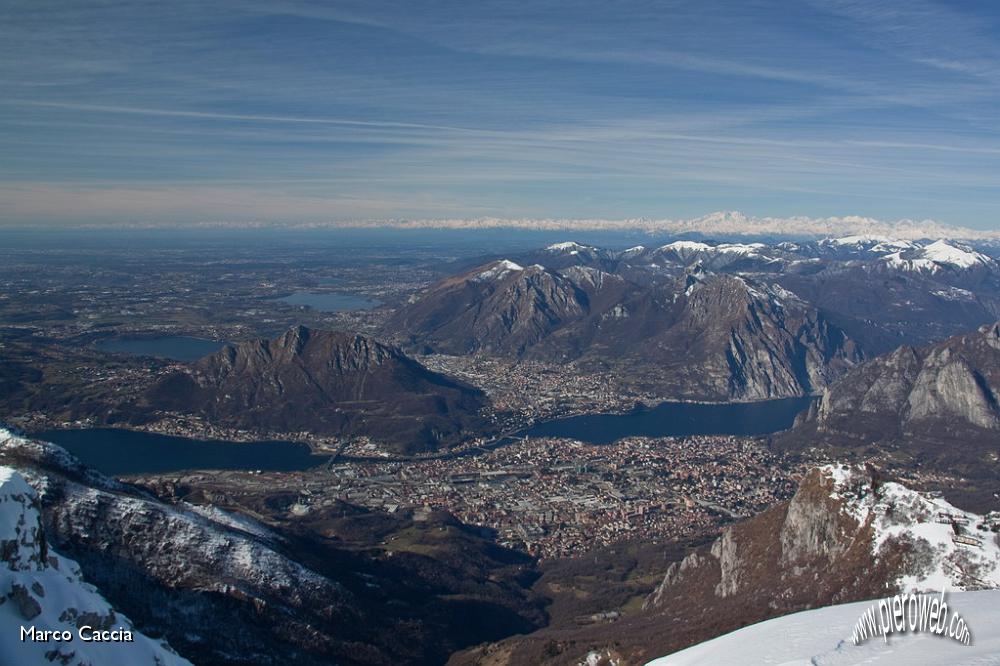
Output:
x,y
247,111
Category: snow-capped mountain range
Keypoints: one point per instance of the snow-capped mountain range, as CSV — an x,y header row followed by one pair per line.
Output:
x,y
915,255
740,315
719,223
572,302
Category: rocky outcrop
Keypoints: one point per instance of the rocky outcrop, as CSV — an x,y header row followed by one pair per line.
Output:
x,y
44,591
771,560
326,383
844,534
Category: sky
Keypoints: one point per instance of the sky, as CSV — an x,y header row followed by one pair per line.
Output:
x,y
245,111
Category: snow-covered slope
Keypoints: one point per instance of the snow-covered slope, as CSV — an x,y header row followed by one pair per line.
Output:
x,y
719,256
40,589
499,270
939,255
821,637
947,548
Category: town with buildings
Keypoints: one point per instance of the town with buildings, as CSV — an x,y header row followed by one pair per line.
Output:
x,y
545,496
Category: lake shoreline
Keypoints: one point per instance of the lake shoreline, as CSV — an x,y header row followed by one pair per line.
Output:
x,y
668,419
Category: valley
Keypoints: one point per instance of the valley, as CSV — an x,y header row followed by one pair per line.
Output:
x,y
504,333
542,434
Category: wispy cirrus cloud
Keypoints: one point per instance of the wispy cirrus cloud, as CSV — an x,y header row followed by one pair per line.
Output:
x,y
574,109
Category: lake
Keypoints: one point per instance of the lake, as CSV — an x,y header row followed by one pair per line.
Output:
x,y
173,347
117,452
677,419
330,302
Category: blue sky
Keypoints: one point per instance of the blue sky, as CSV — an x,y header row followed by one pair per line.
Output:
x,y
178,112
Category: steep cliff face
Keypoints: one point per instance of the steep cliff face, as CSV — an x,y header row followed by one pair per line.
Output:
x,y
935,406
844,535
956,380
757,341
43,591
327,383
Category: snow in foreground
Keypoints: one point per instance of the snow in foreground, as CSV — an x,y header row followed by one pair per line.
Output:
x,y
41,589
821,637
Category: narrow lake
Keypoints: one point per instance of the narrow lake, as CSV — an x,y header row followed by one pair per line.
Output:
x,y
116,452
677,419
330,302
174,347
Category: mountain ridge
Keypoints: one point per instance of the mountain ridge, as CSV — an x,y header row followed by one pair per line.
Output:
x,y
46,592
698,336
330,383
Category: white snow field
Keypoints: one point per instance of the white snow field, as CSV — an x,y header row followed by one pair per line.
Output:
x,y
822,637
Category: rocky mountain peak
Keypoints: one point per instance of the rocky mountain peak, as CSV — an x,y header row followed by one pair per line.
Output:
x,y
327,382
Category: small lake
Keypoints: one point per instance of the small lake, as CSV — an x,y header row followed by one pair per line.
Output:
x,y
118,452
174,347
330,302
677,419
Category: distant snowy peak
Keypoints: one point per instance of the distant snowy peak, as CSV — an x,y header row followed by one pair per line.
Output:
x,y
861,240
856,246
941,254
569,247
685,246
499,270
955,254
691,247
730,257
682,251
45,591
570,253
